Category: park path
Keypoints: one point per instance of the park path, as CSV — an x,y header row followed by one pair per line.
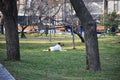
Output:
x,y
4,74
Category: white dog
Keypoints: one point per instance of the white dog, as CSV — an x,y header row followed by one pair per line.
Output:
x,y
57,47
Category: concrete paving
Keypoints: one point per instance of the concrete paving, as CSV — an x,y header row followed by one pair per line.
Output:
x,y
4,74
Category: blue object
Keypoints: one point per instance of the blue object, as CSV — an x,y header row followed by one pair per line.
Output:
x,y
69,28
81,29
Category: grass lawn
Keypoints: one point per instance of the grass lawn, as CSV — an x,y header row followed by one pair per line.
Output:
x,y
70,65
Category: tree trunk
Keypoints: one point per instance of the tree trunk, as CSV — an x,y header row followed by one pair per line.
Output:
x,y
2,29
9,11
91,42
22,32
1,24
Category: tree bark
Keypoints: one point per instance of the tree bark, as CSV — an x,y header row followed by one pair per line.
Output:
x,y
2,29
9,10
1,24
22,32
91,42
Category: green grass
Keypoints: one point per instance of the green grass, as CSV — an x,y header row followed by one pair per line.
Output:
x,y
70,65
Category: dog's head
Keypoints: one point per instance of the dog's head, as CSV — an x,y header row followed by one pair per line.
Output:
x,y
61,44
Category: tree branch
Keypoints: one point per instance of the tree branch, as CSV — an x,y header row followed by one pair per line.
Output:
x,y
81,10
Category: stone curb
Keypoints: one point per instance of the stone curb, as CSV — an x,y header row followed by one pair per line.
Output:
x,y
4,74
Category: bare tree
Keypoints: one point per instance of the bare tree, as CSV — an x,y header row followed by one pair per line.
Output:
x,y
9,11
42,13
25,10
92,57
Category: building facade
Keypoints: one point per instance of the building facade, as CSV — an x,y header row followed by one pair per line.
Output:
x,y
114,5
